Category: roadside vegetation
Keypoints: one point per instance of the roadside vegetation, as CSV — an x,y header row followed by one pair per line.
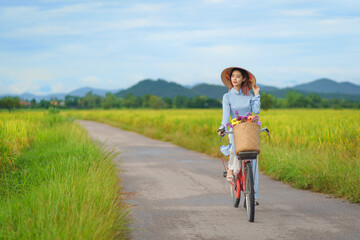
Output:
x,y
310,149
55,182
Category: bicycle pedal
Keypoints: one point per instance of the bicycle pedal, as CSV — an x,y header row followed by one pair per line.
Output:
x,y
224,174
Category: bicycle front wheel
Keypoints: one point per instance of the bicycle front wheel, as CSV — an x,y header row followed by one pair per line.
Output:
x,y
249,192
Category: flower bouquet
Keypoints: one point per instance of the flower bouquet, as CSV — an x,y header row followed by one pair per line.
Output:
x,y
240,119
246,133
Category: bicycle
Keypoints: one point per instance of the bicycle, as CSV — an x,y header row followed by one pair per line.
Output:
x,y
244,179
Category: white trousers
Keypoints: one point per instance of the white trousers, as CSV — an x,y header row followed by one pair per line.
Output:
x,y
234,163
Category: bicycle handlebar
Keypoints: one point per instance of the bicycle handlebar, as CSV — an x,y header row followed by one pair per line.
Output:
x,y
222,130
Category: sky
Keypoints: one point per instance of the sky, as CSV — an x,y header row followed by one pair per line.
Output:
x,y
53,46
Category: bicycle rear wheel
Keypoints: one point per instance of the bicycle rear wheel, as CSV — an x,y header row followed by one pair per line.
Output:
x,y
249,192
235,192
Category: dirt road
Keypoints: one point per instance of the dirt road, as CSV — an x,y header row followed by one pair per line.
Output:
x,y
181,194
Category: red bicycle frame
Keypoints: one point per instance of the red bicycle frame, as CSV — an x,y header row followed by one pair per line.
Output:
x,y
239,180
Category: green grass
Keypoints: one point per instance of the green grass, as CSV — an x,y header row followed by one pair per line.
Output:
x,y
310,149
60,185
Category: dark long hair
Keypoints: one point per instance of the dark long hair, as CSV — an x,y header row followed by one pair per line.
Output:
x,y
245,85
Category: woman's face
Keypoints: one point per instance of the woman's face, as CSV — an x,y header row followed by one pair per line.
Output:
x,y
236,78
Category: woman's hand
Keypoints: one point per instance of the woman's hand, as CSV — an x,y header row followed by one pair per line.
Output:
x,y
221,131
256,89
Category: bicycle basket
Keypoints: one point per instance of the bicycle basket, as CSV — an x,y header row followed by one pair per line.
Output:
x,y
247,137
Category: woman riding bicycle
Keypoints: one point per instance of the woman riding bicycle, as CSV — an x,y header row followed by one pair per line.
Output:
x,y
238,100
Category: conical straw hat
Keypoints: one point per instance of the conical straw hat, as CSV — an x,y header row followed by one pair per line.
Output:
x,y
225,77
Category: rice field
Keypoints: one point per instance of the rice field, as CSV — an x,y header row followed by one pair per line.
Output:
x,y
310,149
55,182
15,135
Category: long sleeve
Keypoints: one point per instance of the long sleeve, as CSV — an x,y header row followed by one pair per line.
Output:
x,y
255,104
226,110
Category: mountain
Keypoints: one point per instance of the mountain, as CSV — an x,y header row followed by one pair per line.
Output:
x,y
281,93
266,88
60,96
217,91
160,88
81,92
325,85
29,96
325,88
209,90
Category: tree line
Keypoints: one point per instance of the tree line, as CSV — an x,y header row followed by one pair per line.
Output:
x,y
91,100
292,100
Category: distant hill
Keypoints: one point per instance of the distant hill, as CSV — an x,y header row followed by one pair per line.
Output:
x,y
281,93
322,87
325,88
217,91
29,96
325,85
267,88
159,88
81,92
209,90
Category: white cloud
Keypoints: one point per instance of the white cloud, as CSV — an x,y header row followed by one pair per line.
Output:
x,y
76,8
86,28
341,22
215,1
44,30
79,43
140,7
73,48
18,81
90,81
20,13
132,24
15,12
233,51
299,13
135,77
21,87
260,32
57,87
26,75
289,76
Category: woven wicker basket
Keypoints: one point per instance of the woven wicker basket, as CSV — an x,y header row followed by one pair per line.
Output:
x,y
247,137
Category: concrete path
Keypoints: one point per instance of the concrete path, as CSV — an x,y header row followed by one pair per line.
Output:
x,y
181,194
